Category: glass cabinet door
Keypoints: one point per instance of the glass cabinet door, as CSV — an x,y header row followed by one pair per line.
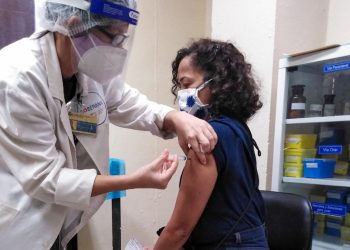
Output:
x,y
319,89
317,144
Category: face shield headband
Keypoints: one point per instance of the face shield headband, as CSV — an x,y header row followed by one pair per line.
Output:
x,y
114,11
53,15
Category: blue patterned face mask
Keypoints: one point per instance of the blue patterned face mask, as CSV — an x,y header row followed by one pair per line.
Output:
x,y
188,101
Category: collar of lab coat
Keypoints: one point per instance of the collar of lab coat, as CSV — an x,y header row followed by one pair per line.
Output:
x,y
54,75
54,78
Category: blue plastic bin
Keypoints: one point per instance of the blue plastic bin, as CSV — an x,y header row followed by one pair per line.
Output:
x,y
318,167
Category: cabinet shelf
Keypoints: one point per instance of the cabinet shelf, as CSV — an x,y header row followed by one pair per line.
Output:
x,y
323,119
337,181
328,242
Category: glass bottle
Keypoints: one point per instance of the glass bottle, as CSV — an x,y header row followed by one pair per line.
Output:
x,y
297,102
329,84
328,106
315,110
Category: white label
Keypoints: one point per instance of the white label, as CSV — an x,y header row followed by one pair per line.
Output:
x,y
333,225
333,195
293,140
312,165
298,106
327,134
315,107
329,109
292,158
292,170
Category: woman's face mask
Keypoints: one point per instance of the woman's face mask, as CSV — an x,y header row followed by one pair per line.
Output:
x,y
189,101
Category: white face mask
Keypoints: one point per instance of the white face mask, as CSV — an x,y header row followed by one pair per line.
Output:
x,y
189,101
99,61
102,63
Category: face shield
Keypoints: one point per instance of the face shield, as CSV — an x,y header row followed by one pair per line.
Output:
x,y
101,31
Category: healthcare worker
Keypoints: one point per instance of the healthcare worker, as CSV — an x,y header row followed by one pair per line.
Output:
x,y
59,90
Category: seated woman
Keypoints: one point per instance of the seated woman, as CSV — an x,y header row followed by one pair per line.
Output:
x,y
219,205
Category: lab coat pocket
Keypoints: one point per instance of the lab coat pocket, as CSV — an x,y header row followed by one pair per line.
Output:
x,y
7,215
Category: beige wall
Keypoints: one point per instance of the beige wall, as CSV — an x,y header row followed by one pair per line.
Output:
x,y
250,25
338,24
164,27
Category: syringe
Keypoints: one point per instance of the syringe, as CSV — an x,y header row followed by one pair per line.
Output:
x,y
183,158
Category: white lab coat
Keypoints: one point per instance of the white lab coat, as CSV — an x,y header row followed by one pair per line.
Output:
x,y
45,180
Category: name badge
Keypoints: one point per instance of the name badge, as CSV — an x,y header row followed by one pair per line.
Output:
x,y
83,123
80,121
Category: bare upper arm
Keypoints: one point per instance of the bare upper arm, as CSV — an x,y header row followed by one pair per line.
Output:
x,y
197,184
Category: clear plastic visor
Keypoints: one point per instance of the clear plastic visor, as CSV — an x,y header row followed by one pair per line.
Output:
x,y
115,34
112,43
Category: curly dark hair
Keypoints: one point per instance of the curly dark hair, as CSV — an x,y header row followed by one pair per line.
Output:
x,y
234,91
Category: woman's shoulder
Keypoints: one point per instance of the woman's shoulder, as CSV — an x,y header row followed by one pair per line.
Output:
x,y
224,124
224,128
227,127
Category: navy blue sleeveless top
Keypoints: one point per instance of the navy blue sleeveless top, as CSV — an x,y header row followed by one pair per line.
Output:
x,y
236,184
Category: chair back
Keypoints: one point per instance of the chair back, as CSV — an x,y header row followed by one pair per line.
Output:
x,y
289,221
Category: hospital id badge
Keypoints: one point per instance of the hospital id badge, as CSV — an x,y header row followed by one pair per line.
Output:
x,y
81,122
